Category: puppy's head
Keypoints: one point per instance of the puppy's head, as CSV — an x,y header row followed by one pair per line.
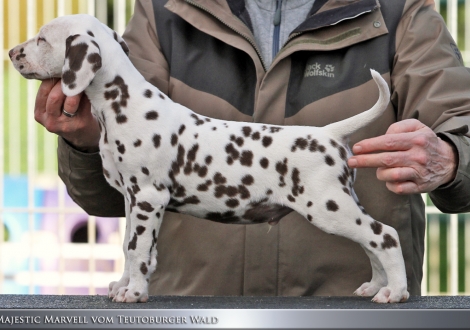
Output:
x,y
68,47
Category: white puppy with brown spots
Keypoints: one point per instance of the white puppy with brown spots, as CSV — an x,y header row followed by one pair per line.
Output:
x,y
161,155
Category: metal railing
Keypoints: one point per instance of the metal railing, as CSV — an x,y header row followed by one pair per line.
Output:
x,y
38,256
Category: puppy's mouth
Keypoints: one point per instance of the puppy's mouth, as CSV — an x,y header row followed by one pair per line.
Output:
x,y
36,76
32,75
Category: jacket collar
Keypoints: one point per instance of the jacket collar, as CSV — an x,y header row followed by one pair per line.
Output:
x,y
323,12
341,10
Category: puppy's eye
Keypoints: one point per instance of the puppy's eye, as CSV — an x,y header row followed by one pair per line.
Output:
x,y
40,39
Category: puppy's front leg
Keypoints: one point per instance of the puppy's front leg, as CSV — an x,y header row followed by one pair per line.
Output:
x,y
124,281
145,222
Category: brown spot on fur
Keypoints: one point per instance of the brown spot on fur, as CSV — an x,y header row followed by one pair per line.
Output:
x,y
193,152
313,146
151,115
342,153
121,119
376,227
202,172
300,143
264,162
112,94
332,206
120,147
145,206
329,160
76,55
144,270
95,60
232,203
248,180
246,131
267,140
230,149
133,243
389,242
148,93
69,77
281,167
174,139
198,121
246,158
140,230
156,140
219,178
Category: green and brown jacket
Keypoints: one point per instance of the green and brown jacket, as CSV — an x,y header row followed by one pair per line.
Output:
x,y
202,54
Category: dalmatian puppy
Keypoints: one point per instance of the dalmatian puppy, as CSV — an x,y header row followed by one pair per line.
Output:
x,y
162,156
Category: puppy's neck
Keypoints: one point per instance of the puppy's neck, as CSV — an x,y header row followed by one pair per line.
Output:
x,y
109,91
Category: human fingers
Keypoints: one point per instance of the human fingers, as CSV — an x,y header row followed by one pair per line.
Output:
x,y
403,188
71,105
397,174
41,98
55,101
399,136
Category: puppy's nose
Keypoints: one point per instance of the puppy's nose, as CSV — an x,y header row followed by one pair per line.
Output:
x,y
11,53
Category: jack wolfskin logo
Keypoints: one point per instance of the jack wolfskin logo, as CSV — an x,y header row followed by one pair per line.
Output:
x,y
316,70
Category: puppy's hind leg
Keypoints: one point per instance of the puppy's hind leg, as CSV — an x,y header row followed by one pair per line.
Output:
x,y
379,277
344,217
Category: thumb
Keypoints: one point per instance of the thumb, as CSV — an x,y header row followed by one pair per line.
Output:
x,y
405,126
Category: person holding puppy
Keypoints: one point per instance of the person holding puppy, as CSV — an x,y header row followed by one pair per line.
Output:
x,y
285,62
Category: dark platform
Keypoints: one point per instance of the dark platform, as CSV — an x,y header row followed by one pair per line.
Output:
x,y
198,302
175,312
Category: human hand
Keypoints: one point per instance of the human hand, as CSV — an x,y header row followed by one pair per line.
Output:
x,y
81,130
410,158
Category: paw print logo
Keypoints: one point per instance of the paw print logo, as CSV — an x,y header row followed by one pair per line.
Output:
x,y
329,68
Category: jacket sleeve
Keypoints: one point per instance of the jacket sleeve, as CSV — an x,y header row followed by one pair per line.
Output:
x,y
430,80
81,172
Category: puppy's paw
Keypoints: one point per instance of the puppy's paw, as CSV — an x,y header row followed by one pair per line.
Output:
x,y
368,289
114,287
131,295
391,295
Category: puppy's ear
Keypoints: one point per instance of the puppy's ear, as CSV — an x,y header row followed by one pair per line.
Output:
x,y
82,61
118,39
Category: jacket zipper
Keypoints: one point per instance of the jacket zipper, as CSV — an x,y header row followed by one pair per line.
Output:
x,y
247,38
277,28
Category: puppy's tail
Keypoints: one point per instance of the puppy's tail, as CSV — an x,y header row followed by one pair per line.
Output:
x,y
343,129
